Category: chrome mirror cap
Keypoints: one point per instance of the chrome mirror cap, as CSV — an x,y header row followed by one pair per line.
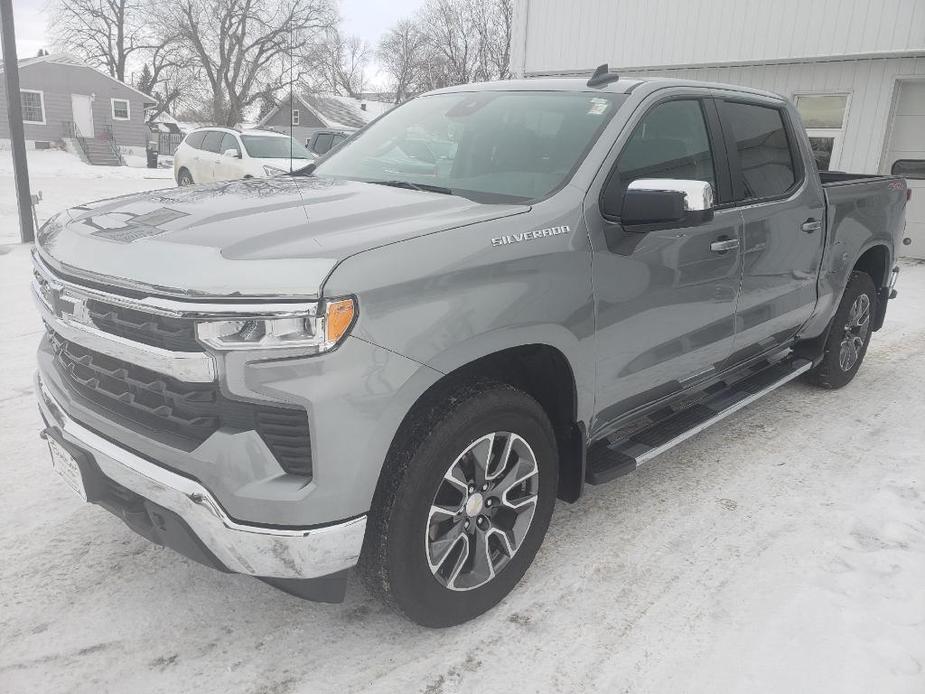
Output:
x,y
698,195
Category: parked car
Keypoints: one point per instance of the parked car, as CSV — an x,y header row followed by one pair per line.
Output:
x,y
289,377
223,154
322,141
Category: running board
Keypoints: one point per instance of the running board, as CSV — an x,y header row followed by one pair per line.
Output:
x,y
623,452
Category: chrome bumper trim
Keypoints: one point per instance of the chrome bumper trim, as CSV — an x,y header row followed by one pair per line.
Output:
x,y
192,367
246,549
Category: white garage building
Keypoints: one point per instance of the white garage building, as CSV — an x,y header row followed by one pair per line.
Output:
x,y
856,68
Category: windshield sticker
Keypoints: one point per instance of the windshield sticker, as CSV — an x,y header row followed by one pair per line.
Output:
x,y
598,106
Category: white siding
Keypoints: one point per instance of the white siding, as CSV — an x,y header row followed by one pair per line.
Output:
x,y
564,35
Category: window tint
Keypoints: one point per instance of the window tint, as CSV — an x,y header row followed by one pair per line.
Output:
x,y
323,143
195,139
764,150
230,142
212,141
910,168
670,142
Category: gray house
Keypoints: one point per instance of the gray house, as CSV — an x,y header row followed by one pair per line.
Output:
x,y
66,101
309,113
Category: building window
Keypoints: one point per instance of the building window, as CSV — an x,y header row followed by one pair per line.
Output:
x,y
120,109
295,116
824,117
33,106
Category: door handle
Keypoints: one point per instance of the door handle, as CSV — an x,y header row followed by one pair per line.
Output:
x,y
724,245
811,225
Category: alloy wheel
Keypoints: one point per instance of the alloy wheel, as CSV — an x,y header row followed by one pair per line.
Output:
x,y
482,511
855,333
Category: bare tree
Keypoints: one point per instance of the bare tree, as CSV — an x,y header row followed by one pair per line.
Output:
x,y
105,33
247,49
402,58
337,65
448,42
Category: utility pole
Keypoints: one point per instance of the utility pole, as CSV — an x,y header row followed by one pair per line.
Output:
x,y
14,115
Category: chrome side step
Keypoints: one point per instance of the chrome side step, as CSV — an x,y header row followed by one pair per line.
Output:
x,y
624,451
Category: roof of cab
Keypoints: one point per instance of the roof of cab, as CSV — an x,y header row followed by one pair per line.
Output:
x,y
624,85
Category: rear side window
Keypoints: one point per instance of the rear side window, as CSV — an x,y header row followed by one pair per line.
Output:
x,y
910,168
323,143
213,141
670,141
765,157
195,139
229,141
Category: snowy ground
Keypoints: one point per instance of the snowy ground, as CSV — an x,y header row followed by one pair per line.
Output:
x,y
65,181
781,551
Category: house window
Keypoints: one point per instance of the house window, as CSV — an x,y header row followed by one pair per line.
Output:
x,y
824,117
120,109
295,116
33,106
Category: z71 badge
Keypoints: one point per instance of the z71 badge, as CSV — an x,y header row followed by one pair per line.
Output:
x,y
529,235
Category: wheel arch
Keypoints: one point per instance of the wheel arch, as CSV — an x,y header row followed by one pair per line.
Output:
x,y
538,369
876,261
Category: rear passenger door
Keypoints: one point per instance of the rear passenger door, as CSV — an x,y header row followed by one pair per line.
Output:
x,y
783,210
209,156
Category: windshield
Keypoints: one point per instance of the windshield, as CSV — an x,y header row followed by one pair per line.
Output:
x,y
274,147
487,146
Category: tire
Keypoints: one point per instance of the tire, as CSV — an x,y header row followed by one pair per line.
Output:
x,y
184,178
404,536
849,335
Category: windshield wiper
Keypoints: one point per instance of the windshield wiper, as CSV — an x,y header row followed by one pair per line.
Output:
x,y
397,183
306,170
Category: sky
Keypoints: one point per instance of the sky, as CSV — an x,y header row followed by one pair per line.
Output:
x,y
368,19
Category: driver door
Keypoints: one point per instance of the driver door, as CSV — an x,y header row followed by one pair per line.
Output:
x,y
665,296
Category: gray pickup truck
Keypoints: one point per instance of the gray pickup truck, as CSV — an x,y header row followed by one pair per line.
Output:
x,y
399,357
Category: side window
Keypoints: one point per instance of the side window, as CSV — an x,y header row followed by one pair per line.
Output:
x,y
765,157
670,141
212,141
230,142
323,142
195,139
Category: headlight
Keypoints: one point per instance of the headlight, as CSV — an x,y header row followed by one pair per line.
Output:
x,y
273,170
318,330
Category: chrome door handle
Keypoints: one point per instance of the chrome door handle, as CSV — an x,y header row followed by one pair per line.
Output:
x,y
725,245
811,225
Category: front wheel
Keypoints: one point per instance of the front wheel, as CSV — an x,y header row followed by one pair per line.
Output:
x,y
463,505
184,178
849,335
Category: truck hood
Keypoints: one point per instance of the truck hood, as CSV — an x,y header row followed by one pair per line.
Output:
x,y
277,236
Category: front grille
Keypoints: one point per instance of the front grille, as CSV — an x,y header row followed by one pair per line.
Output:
x,y
180,414
174,334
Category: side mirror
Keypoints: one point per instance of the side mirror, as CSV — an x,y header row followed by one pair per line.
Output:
x,y
670,202
232,153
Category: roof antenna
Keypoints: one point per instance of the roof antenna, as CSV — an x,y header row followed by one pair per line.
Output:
x,y
602,76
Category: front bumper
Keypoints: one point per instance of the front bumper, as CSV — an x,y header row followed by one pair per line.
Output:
x,y
265,552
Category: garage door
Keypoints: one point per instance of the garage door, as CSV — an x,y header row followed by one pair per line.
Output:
x,y
906,157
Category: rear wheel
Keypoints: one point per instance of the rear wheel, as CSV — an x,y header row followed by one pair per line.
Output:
x,y
184,178
849,336
463,506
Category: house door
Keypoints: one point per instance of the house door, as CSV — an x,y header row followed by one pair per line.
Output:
x,y
82,107
906,157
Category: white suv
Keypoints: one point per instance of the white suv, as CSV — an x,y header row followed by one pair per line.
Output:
x,y
222,154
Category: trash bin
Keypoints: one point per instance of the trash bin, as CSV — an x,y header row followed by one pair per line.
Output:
x,y
152,156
